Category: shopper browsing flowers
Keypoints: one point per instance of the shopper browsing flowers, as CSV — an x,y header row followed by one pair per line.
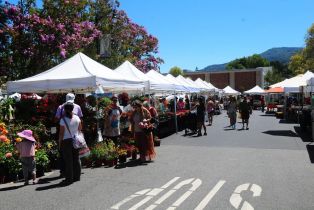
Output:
x,y
26,148
140,120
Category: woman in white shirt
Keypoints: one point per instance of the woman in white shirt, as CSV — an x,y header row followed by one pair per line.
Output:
x,y
70,125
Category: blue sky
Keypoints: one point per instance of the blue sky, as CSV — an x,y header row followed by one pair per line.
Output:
x,y
198,33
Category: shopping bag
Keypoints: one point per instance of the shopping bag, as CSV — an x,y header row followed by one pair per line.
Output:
x,y
79,140
84,152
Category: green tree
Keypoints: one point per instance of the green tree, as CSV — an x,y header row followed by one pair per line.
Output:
x,y
304,60
175,71
253,61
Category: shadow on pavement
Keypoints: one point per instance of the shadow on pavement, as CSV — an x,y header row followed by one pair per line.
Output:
x,y
132,163
11,188
287,133
50,186
310,150
284,121
305,136
267,115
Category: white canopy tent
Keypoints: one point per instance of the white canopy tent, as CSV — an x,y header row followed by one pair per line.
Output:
x,y
257,90
153,83
178,83
191,87
230,91
293,84
201,86
79,73
209,86
165,82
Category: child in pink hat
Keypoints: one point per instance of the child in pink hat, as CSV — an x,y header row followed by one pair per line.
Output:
x,y
26,148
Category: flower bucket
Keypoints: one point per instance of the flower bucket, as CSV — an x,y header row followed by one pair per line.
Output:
x,y
122,158
111,163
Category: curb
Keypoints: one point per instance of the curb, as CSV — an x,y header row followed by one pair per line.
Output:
x,y
20,182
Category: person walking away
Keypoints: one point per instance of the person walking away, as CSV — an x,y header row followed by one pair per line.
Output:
x,y
112,120
187,103
210,111
26,149
244,109
70,125
143,137
232,112
262,103
69,98
200,116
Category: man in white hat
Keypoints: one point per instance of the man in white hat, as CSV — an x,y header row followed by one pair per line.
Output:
x,y
70,97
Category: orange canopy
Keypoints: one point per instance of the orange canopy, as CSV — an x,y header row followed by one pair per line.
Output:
x,y
275,90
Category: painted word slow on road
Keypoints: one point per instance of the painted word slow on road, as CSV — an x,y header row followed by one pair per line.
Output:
x,y
149,194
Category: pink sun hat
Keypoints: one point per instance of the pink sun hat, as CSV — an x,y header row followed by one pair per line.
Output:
x,y
27,134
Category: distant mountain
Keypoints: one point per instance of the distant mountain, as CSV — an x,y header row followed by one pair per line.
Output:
x,y
281,54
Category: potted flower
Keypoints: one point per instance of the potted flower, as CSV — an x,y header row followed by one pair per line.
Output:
x,y
99,153
42,161
112,153
122,154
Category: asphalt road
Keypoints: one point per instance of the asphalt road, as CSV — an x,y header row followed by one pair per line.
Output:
x,y
266,167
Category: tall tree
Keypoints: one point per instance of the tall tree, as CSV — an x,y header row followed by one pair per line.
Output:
x,y
253,61
304,60
175,71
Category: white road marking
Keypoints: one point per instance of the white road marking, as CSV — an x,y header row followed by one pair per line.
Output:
x,y
150,193
236,198
187,194
210,195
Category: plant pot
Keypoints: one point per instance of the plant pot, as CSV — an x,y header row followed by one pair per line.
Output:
x,y
98,163
134,155
112,163
122,158
157,143
129,154
40,171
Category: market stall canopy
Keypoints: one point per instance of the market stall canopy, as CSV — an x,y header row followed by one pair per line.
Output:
x,y
257,90
206,85
192,88
178,84
128,70
198,85
275,90
293,84
230,91
79,73
163,82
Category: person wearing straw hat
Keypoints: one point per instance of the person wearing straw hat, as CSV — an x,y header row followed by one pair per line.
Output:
x,y
26,149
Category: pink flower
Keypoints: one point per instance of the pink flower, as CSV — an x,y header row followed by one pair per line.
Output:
x,y
8,155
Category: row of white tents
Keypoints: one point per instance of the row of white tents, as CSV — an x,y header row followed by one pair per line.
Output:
x,y
82,74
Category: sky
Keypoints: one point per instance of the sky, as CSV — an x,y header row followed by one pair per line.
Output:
x,y
198,33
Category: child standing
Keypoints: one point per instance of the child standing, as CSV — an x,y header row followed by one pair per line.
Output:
x,y
26,148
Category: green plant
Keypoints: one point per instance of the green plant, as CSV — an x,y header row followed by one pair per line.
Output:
x,y
112,150
99,151
104,102
42,159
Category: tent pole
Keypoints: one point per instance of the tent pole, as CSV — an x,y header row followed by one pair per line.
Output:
x,y
175,112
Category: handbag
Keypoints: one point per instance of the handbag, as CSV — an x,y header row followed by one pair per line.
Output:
x,y
84,152
78,139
